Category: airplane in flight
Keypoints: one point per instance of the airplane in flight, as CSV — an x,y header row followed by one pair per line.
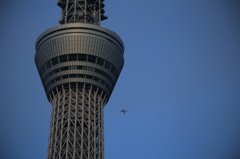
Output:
x,y
123,111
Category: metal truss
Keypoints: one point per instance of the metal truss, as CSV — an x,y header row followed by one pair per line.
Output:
x,y
83,11
76,124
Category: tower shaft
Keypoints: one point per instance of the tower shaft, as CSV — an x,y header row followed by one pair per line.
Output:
x,y
77,123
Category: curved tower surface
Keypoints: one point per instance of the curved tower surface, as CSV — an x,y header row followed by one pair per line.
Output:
x,y
79,63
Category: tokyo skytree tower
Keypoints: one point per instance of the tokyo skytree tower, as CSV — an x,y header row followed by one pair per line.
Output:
x,y
79,63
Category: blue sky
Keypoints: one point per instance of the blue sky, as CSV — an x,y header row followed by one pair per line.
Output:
x,y
180,82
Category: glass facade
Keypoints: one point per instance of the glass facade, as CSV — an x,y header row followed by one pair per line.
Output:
x,y
78,57
77,67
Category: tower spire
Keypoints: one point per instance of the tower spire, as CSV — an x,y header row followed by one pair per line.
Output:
x,y
82,11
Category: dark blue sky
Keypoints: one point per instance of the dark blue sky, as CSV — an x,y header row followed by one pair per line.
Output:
x,y
180,83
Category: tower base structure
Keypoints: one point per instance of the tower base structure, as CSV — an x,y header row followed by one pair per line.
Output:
x,y
79,65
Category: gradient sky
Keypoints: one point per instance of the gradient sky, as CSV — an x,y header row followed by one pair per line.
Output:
x,y
180,82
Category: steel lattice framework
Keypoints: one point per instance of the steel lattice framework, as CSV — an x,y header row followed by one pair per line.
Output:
x,y
84,11
79,63
77,123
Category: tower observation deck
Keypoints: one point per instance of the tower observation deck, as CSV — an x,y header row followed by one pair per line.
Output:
x,y
79,63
